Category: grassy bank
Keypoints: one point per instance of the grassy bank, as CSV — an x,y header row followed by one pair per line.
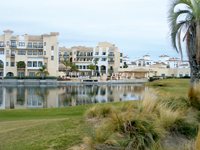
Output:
x,y
176,87
50,128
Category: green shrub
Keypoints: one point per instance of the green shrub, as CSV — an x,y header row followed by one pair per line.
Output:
x,y
194,97
30,77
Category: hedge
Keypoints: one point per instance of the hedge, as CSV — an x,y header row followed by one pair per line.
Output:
x,y
34,77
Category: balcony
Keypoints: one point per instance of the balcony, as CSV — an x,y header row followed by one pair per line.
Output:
x,y
66,55
35,47
13,46
60,55
111,55
112,61
12,55
84,55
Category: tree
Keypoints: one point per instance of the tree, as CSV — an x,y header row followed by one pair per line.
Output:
x,y
42,71
168,66
191,25
66,63
95,64
125,66
74,68
91,67
1,65
20,65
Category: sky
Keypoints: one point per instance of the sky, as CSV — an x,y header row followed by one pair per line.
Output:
x,y
136,27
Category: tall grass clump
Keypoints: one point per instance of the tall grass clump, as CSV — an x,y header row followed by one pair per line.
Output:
x,y
194,97
92,112
99,137
99,111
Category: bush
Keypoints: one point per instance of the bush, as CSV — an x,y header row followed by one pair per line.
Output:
x,y
194,97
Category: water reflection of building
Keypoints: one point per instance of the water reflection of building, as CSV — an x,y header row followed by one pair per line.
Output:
x,y
91,94
20,97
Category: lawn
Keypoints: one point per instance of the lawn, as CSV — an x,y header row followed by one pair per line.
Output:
x,y
59,128
176,87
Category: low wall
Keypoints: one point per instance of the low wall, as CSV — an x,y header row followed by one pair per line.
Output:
x,y
28,82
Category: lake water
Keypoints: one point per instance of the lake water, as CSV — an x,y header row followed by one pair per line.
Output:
x,y
22,97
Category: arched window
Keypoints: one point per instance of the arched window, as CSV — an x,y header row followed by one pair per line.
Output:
x,y
81,54
9,74
88,54
52,47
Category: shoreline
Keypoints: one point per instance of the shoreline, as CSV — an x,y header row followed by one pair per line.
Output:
x,y
54,82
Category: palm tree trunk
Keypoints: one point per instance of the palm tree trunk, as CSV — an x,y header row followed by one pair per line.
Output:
x,y
194,69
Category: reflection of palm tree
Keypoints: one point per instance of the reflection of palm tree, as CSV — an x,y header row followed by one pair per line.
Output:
x,y
43,93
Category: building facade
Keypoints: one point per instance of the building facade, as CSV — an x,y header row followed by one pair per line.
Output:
x,y
34,50
106,56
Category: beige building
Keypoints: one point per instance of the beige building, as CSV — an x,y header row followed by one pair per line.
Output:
x,y
107,55
150,71
34,50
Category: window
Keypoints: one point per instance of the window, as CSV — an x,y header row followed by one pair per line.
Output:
x,y
7,43
29,45
34,64
74,53
1,44
12,64
29,64
121,55
111,54
172,75
91,54
80,67
32,74
82,73
7,51
44,43
97,53
40,53
39,64
111,67
104,53
34,45
180,75
45,64
1,52
70,53
96,59
21,53
85,54
88,54
34,52
12,53
52,47
111,59
21,44
103,59
6,63
83,67
22,74
52,57
147,63
89,73
65,53
29,52
120,60
81,54
13,44
40,45
44,52
81,59
88,59
65,59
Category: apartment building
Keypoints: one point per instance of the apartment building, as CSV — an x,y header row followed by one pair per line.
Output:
x,y
105,54
34,50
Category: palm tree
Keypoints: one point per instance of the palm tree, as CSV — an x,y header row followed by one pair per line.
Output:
x,y
95,64
191,25
66,63
42,71
74,68
20,65
125,66
92,67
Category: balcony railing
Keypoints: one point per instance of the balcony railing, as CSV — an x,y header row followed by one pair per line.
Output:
x,y
111,55
2,45
111,61
60,54
66,55
13,46
32,47
12,55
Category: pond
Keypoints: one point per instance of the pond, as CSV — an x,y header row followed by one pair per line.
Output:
x,y
29,97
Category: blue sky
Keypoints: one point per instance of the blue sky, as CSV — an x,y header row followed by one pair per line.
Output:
x,y
136,27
